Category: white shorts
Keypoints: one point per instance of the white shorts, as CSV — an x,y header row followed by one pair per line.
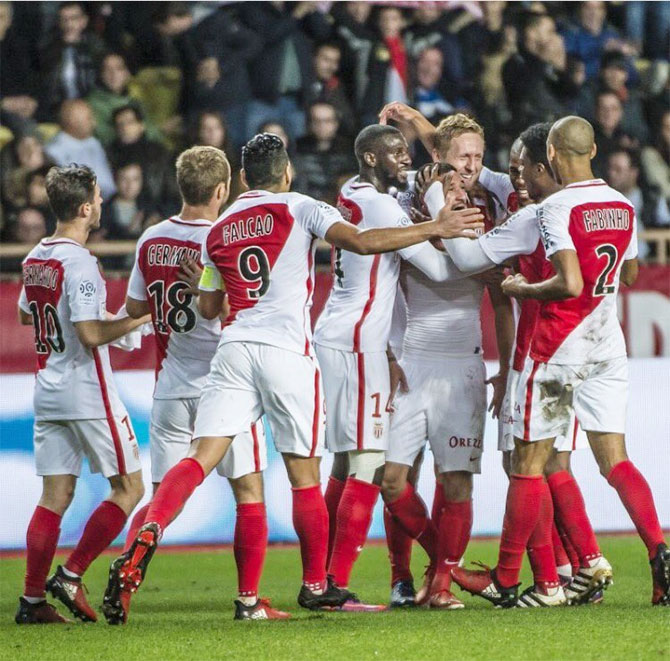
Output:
x,y
357,387
249,379
548,394
109,445
576,438
446,406
171,433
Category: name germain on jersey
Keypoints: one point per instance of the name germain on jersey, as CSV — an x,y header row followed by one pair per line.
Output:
x,y
249,228
164,254
606,219
40,275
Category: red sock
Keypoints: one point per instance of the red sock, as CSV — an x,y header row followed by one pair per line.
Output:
x,y
135,524
251,541
438,504
175,489
570,513
411,514
101,530
332,497
400,549
540,546
636,497
41,541
522,510
567,545
354,516
455,527
310,520
560,553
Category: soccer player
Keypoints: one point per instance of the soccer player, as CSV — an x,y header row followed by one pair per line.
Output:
x,y
577,361
77,409
351,339
164,283
444,404
261,251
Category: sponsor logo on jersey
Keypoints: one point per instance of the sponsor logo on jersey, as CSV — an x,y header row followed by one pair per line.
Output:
x,y
461,442
87,289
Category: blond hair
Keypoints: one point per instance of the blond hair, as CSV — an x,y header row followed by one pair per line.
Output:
x,y
199,171
453,126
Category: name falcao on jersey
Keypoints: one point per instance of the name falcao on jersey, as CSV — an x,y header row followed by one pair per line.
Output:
x,y
247,228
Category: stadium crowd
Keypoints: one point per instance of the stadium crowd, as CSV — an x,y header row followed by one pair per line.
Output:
x,y
123,87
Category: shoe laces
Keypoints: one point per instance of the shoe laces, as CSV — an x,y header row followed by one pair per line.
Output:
x,y
478,563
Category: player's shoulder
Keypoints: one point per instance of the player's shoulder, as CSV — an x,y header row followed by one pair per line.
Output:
x,y
70,253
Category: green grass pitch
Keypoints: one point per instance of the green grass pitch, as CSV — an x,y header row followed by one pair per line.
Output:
x,y
184,611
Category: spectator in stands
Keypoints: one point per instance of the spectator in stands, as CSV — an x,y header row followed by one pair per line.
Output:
x,y
127,214
327,87
165,39
609,134
110,93
36,195
352,28
648,28
277,129
69,62
283,71
23,155
75,143
612,78
388,68
429,29
427,94
18,103
225,48
593,35
132,145
30,226
322,155
656,168
535,79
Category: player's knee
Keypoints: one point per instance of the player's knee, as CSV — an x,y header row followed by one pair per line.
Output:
x,y
557,462
367,465
340,468
57,499
248,489
394,481
457,486
128,488
507,462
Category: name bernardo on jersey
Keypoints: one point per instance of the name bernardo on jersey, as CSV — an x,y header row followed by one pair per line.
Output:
x,y
606,219
248,228
40,275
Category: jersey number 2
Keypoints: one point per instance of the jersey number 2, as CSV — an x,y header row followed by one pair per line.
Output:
x,y
602,287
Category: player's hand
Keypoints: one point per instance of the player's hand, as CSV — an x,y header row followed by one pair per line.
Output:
x,y
190,272
514,285
418,216
398,380
397,112
491,278
425,177
461,223
499,383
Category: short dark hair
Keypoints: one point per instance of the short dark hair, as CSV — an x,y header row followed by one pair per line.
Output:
x,y
534,139
327,44
633,156
68,188
264,160
603,93
613,59
71,3
134,108
370,138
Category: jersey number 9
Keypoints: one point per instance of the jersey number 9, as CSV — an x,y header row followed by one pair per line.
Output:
x,y
254,267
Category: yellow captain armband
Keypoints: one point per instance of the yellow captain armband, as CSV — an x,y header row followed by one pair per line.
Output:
x,y
210,280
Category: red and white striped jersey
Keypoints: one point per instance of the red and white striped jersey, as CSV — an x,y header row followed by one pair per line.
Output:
x,y
185,341
357,315
598,223
263,247
62,285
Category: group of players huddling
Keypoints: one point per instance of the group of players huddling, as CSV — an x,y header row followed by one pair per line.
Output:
x,y
395,362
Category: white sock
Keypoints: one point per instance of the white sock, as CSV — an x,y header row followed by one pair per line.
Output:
x,y
34,600
248,601
69,573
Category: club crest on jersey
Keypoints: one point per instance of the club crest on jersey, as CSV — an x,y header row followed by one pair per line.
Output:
x,y
378,429
247,228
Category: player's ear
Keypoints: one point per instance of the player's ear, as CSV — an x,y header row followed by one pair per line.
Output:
x,y
435,155
84,210
243,177
594,151
288,174
370,159
551,152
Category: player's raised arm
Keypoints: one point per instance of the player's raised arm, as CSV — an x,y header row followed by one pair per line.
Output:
x,y
407,116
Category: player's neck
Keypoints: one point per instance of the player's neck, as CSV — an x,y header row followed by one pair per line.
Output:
x,y
73,230
370,177
574,171
203,212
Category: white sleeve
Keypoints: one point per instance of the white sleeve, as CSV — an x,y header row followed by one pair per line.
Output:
x,y
85,291
23,301
317,217
436,265
519,235
468,255
136,283
434,198
631,251
497,183
554,219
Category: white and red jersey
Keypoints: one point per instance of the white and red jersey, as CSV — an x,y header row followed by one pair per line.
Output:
x,y
185,341
598,223
263,247
357,315
500,186
62,285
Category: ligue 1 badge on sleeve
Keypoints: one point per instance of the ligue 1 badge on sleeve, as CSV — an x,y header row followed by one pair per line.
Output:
x,y
378,429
